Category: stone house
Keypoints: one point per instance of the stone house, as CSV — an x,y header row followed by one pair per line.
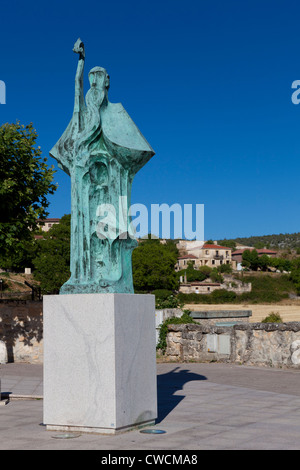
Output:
x,y
207,287
237,255
205,255
199,287
46,224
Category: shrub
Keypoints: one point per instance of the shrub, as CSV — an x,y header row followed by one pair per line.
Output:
x,y
171,301
273,318
163,331
162,294
222,295
4,283
216,297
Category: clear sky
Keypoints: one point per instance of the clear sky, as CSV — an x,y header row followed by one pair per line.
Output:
x,y
208,83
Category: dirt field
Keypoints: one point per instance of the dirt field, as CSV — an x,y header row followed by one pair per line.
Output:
x,y
290,311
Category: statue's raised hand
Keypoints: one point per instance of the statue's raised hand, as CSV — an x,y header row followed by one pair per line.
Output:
x,y
79,48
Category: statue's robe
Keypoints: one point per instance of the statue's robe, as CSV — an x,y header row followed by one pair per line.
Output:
x,y
102,160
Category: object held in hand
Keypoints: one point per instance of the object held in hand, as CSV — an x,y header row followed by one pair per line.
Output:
x,y
79,47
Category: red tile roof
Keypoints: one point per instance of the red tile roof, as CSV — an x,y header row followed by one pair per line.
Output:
x,y
48,220
216,247
259,251
204,283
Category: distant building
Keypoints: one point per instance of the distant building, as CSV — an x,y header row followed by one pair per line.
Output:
x,y
207,287
199,287
46,224
211,255
183,261
237,255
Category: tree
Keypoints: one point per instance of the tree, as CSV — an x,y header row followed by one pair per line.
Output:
x,y
153,266
295,274
250,259
264,261
25,182
282,264
228,243
225,268
52,262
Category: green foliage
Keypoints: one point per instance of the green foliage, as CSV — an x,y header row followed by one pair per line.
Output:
x,y
222,295
4,283
225,268
274,241
25,182
165,298
218,296
193,274
170,302
162,294
295,274
216,276
153,266
281,264
250,259
52,263
272,318
205,270
228,243
267,288
163,331
19,258
254,262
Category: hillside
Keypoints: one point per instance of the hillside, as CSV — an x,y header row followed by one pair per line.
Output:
x,y
282,241
13,286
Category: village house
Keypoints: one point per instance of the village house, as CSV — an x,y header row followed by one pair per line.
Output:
x,y
46,224
207,287
212,255
237,255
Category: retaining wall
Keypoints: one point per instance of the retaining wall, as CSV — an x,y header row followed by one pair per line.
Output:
x,y
262,344
21,331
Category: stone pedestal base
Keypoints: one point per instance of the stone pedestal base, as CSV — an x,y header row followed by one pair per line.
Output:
x,y
99,362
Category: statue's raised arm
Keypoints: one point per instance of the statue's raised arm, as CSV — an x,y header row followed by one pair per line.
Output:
x,y
79,96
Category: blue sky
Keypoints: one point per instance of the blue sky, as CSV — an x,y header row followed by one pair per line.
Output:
x,y
208,83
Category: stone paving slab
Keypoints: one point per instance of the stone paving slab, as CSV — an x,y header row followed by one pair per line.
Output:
x,y
201,407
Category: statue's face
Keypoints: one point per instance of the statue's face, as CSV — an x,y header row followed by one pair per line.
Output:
x,y
99,79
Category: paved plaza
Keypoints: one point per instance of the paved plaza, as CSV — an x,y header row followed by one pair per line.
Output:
x,y
201,407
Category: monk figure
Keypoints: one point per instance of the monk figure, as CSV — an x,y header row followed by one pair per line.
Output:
x,y
101,150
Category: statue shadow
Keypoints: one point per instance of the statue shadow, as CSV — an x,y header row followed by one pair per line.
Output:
x,y
167,386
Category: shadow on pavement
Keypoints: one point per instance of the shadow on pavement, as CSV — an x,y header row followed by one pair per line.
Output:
x,y
168,384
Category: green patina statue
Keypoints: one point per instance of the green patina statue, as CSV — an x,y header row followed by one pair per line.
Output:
x,y
101,150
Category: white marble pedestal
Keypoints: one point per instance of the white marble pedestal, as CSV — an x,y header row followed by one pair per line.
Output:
x,y
99,362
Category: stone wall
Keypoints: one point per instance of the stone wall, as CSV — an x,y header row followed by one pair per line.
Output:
x,y
221,317
262,344
21,331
